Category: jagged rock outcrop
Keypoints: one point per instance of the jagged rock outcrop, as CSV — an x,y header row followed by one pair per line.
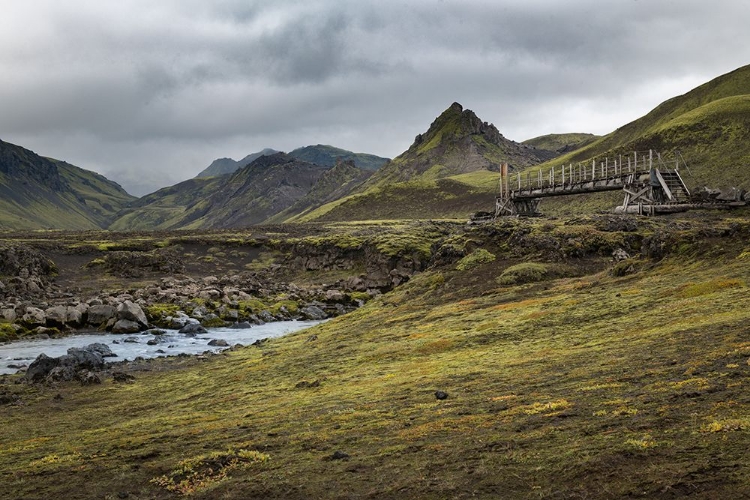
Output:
x,y
78,364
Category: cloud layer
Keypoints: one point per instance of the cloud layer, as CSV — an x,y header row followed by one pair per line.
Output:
x,y
149,93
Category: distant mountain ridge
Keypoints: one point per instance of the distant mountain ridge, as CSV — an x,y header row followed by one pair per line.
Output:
x,y
328,156
320,154
270,188
223,166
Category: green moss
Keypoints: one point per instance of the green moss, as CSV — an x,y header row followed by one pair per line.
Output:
x,y
252,306
213,323
360,296
291,306
527,272
7,332
160,310
476,258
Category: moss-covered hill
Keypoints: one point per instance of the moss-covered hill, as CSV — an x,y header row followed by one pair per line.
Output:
x,y
710,126
42,193
567,375
561,143
435,177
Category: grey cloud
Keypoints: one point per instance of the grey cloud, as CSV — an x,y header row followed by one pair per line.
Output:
x,y
149,93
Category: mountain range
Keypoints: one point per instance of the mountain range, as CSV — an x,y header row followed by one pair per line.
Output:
x,y
450,170
320,154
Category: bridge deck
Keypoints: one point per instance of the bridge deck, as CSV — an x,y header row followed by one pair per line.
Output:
x,y
643,178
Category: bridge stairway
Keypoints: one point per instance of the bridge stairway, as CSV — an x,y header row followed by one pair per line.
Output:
x,y
672,184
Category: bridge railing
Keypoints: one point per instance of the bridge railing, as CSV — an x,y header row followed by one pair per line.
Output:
x,y
602,170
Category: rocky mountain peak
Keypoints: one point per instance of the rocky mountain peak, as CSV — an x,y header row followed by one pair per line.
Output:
x,y
456,123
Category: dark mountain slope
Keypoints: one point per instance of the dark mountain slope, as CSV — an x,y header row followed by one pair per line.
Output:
x,y
255,193
329,155
40,193
334,184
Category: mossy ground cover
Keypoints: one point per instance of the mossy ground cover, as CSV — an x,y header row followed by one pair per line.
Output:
x,y
593,386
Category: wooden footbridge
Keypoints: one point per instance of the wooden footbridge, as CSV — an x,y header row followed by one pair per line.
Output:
x,y
652,184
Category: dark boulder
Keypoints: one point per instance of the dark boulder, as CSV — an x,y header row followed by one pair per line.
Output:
x,y
100,314
102,349
126,326
193,328
41,367
83,359
218,343
313,313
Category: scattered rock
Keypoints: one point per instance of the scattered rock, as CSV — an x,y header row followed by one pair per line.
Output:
x,y
313,313
243,325
41,367
122,378
441,395
131,340
312,338
305,384
34,317
619,255
339,455
102,349
129,311
89,378
126,326
218,343
100,314
193,328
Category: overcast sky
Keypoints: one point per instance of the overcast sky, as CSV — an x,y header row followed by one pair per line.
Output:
x,y
149,92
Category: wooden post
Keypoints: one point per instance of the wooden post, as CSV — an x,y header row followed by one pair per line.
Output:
x,y
650,159
563,176
519,180
507,181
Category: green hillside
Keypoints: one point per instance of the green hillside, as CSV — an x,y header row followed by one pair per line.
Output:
x,y
42,193
561,142
709,125
169,207
437,176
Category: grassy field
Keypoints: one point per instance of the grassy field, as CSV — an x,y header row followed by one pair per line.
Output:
x,y
567,376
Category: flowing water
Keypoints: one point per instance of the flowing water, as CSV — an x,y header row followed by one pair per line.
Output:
x,y
131,346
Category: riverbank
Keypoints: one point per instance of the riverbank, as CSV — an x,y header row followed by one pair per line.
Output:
x,y
17,356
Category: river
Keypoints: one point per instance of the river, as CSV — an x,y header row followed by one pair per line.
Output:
x,y
129,347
